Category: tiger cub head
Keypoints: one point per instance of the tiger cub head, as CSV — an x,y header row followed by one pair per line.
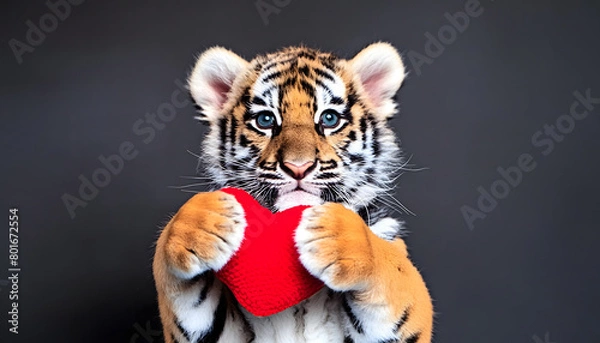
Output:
x,y
300,126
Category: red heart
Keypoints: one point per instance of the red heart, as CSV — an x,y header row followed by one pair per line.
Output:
x,y
265,274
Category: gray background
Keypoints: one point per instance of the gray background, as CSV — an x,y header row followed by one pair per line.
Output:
x,y
529,269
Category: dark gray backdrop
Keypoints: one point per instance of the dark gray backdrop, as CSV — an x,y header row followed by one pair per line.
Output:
x,y
527,272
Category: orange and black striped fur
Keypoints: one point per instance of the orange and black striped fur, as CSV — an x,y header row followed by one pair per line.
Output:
x,y
294,127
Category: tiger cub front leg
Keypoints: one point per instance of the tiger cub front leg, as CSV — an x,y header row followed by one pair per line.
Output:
x,y
384,296
201,238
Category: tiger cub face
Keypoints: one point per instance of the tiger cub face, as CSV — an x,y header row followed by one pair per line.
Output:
x,y
300,126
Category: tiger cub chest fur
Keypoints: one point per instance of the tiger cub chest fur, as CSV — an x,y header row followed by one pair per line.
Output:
x,y
315,320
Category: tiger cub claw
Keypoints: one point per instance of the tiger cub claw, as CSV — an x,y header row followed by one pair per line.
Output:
x,y
333,243
204,234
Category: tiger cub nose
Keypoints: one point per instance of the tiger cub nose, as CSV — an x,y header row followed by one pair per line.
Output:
x,y
297,171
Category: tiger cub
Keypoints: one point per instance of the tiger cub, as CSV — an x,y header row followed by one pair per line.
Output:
x,y
297,126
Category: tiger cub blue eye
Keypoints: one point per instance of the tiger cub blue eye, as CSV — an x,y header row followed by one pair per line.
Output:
x,y
265,120
330,119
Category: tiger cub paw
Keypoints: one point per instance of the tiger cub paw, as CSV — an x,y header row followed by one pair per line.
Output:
x,y
204,234
334,246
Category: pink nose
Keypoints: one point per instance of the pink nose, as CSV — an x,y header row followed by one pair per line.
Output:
x,y
298,172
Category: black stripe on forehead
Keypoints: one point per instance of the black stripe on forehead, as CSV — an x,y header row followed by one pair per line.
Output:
x,y
324,74
268,96
292,79
328,61
307,87
308,54
278,62
305,70
324,86
258,101
271,76
336,100
301,83
258,64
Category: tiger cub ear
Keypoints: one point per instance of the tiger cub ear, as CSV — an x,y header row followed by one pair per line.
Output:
x,y
212,79
380,71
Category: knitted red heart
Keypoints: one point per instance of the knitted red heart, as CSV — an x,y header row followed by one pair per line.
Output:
x,y
265,275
